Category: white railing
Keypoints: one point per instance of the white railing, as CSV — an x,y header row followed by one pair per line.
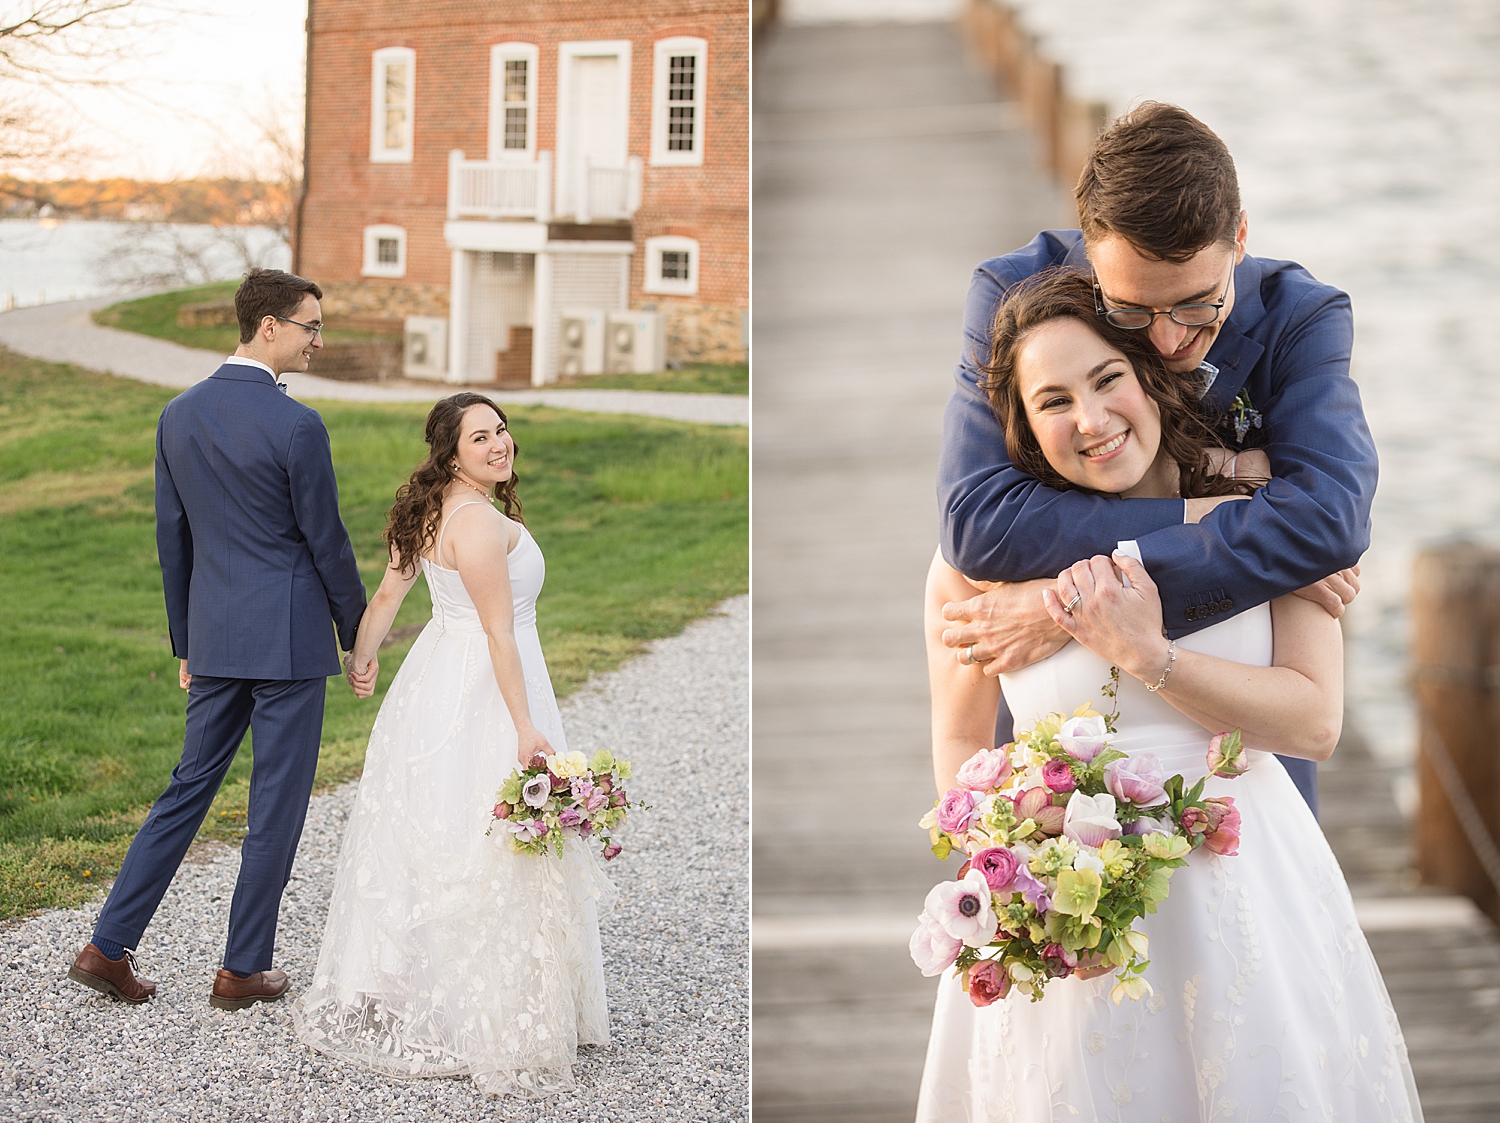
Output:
x,y
606,193
486,189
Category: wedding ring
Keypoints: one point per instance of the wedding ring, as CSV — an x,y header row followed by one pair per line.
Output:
x,y
1072,604
966,655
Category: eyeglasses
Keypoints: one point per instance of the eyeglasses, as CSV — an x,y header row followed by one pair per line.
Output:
x,y
1195,315
314,328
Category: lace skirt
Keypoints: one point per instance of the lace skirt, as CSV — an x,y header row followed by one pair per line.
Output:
x,y
445,953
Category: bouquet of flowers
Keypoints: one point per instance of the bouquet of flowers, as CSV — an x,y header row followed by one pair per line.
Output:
x,y
1069,842
566,793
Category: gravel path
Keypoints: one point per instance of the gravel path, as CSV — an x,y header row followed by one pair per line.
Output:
x,y
66,333
675,949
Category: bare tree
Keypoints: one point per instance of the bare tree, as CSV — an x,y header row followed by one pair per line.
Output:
x,y
49,45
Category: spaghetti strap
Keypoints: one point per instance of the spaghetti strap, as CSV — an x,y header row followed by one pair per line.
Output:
x,y
437,550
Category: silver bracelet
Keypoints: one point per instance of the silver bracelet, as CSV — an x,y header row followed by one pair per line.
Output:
x,y
1171,658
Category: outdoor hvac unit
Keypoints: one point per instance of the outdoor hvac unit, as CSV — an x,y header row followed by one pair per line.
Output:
x,y
426,347
580,342
637,342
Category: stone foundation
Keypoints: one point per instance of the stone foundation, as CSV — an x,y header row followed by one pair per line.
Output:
x,y
383,299
702,333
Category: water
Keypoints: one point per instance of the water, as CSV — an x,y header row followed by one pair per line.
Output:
x,y
76,259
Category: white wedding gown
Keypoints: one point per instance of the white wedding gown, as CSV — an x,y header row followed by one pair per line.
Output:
x,y
1267,1003
445,953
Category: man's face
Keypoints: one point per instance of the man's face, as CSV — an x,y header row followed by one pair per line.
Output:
x,y
292,345
1128,279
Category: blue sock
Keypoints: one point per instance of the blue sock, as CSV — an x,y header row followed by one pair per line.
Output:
x,y
109,948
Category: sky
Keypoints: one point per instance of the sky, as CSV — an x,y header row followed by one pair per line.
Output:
x,y
178,101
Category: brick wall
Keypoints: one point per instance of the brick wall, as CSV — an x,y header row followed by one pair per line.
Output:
x,y
347,192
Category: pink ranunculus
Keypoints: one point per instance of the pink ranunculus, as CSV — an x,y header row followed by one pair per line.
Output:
x,y
596,801
999,867
1058,961
1136,779
1226,756
986,770
503,810
1223,835
963,909
569,817
1058,776
1083,738
932,949
988,982
1090,819
955,811
611,851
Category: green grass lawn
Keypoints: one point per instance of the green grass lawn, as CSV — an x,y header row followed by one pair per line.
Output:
x,y
157,316
644,523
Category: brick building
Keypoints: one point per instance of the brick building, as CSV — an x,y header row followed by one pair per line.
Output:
x,y
510,172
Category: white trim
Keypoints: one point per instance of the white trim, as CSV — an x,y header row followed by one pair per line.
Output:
x,y
665,49
653,281
571,246
500,54
373,266
379,153
495,237
566,52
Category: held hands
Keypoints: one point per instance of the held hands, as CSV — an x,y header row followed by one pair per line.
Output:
x,y
362,683
1119,622
1006,627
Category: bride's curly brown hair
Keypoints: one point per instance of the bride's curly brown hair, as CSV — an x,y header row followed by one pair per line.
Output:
x,y
418,509
1186,433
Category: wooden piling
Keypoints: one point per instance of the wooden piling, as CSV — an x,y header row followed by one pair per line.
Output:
x,y
1455,612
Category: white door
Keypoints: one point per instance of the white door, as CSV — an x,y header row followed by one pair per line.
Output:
x,y
596,122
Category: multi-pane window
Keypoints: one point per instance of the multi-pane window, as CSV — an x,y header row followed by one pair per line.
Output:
x,y
385,251
512,101
679,98
671,265
682,102
392,100
516,86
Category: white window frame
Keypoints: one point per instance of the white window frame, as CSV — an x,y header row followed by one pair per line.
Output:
x,y
373,266
500,54
379,153
661,106
654,282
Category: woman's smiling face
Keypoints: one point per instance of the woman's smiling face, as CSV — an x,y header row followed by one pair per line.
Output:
x,y
485,448
1095,423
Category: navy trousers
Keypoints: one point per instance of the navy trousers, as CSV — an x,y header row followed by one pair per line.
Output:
x,y
1304,773
286,717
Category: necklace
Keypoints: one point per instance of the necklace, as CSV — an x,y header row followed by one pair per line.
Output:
x,y
471,487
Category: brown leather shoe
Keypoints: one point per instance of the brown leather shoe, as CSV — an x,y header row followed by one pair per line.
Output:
x,y
234,993
114,977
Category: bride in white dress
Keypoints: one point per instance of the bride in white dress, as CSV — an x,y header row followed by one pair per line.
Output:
x,y
445,953
1266,1003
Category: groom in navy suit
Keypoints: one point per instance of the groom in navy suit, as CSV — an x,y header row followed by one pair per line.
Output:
x,y
1164,238
257,569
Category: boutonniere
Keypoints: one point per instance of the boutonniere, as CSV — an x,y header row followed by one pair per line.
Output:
x,y
1243,416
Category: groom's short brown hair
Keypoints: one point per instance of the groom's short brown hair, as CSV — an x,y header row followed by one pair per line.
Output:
x,y
269,292
1162,180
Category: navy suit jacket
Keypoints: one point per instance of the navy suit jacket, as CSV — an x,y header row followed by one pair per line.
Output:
x,y
1287,343
254,557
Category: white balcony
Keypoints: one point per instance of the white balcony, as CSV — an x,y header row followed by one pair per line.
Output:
x,y
499,190
602,193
